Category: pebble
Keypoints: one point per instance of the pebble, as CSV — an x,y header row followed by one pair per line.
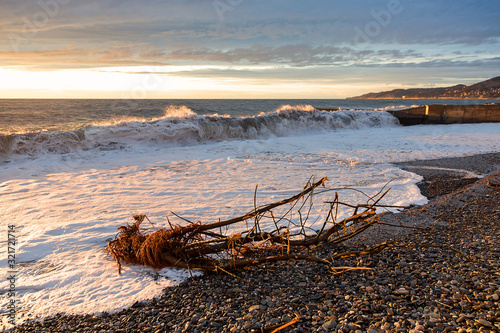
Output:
x,y
256,308
484,322
433,315
329,324
400,293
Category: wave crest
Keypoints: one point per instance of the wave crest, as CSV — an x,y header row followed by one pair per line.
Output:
x,y
180,125
173,111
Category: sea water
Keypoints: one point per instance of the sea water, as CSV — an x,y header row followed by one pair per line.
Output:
x,y
74,171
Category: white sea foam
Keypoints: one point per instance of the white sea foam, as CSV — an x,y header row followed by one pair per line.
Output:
x,y
180,125
67,206
395,107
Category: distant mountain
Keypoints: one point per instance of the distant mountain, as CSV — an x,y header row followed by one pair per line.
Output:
x,y
485,89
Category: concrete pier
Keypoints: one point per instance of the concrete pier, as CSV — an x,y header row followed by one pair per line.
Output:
x,y
449,114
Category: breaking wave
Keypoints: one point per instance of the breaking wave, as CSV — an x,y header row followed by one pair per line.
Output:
x,y
180,125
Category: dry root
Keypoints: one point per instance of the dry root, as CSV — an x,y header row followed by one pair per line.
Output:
x,y
203,246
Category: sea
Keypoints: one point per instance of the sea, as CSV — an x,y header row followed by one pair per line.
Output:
x,y
72,171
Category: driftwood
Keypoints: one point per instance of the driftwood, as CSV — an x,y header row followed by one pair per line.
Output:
x,y
205,247
493,184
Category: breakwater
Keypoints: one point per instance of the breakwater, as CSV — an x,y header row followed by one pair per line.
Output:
x,y
448,114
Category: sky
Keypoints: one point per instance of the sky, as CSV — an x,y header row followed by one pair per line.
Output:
x,y
243,48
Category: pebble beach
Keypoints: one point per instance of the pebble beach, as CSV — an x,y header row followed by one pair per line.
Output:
x,y
446,277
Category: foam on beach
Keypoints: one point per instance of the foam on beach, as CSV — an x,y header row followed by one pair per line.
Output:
x,y
67,206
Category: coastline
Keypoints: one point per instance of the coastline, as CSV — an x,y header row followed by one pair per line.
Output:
x,y
419,289
391,98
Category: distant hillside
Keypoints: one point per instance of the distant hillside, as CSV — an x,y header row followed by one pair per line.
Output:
x,y
486,89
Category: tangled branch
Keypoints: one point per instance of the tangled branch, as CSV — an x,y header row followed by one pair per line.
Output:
x,y
203,246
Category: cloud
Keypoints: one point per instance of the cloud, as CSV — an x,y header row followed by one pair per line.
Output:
x,y
122,54
289,38
165,23
72,56
290,56
492,63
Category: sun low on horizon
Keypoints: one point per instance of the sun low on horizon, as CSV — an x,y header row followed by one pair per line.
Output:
x,y
241,49
96,83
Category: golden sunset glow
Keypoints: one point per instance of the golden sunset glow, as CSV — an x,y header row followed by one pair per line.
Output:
x,y
118,84
62,49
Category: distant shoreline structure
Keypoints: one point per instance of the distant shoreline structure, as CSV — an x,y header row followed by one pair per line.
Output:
x,y
448,114
437,98
489,89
